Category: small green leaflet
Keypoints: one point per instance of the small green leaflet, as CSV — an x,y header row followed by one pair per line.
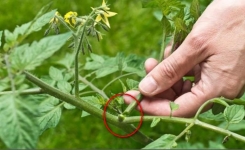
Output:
x,y
69,106
50,110
18,126
132,84
155,121
164,142
1,33
55,74
234,113
195,9
234,127
209,116
64,86
173,107
28,57
66,61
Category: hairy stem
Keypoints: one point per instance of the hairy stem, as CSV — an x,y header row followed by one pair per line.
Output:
x,y
193,121
79,103
25,92
163,46
133,104
184,131
121,76
93,87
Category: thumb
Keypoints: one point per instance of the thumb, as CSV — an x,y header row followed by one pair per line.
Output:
x,y
170,70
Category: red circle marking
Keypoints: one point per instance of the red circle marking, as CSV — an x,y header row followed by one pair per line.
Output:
x,y
104,116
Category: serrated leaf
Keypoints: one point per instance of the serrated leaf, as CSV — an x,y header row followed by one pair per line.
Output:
x,y
173,106
155,121
92,100
55,74
209,116
27,57
164,142
69,106
64,86
97,58
132,84
234,127
180,25
105,71
66,61
234,113
18,126
1,33
27,28
50,110
195,9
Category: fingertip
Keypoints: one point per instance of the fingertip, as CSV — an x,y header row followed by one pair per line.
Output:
x,y
150,63
128,96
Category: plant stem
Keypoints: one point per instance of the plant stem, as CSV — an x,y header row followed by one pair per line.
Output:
x,y
220,130
135,119
115,79
197,122
93,87
184,131
25,92
138,136
133,104
163,46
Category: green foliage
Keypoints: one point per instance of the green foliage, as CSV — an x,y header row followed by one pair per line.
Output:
x,y
155,121
234,113
50,113
173,107
27,57
166,141
18,127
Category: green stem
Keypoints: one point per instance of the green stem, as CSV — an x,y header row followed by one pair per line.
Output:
x,y
163,46
184,131
25,92
115,79
64,23
79,103
93,87
135,119
133,104
220,130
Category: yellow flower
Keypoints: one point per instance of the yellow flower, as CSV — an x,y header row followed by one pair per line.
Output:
x,y
55,20
70,18
104,14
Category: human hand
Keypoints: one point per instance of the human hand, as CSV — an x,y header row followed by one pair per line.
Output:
x,y
214,52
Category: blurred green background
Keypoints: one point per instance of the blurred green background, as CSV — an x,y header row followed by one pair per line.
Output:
x,y
133,30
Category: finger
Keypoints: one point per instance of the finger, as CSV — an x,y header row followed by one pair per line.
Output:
x,y
150,64
177,87
186,87
188,103
170,70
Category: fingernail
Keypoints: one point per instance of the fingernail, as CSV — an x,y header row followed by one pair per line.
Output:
x,y
148,84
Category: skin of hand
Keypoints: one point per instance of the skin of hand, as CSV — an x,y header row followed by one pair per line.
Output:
x,y
214,52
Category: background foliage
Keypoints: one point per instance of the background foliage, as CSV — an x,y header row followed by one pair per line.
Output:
x,y
134,30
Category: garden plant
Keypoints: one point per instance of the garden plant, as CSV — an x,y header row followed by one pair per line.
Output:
x,y
32,102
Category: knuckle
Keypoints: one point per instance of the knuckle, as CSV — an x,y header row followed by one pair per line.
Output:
x,y
168,71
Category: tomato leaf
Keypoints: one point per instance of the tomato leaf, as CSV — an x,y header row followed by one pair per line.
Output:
x,y
55,74
155,121
28,57
18,126
164,142
50,110
234,113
